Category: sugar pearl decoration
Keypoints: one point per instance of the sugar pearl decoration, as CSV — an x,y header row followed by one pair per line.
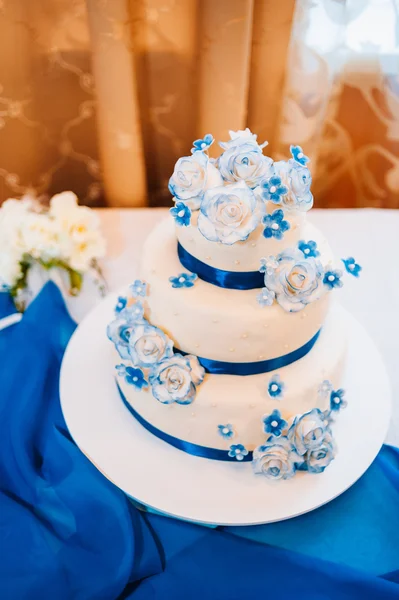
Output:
x,y
193,414
207,258
175,314
215,320
261,357
213,404
231,349
236,262
253,244
244,335
274,423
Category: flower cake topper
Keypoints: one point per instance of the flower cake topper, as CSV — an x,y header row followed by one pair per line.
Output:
x,y
200,183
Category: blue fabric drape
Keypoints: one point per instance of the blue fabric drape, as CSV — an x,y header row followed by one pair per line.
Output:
x,y
67,533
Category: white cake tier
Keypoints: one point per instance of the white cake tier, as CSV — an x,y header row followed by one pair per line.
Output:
x,y
241,256
243,401
224,324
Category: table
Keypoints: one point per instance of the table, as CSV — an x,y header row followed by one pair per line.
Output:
x,y
370,235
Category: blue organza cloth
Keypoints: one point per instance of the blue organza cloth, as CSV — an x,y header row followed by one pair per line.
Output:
x,y
67,533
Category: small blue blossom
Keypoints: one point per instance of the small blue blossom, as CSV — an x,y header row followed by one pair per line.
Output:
x,y
138,288
337,400
274,423
134,312
121,304
238,451
265,297
203,144
325,389
273,189
183,280
275,226
226,431
268,265
309,248
298,155
332,279
181,214
132,375
275,387
351,266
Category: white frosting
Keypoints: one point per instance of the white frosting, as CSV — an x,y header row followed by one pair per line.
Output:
x,y
224,324
241,256
243,401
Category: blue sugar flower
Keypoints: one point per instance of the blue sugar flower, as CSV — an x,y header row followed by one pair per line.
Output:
x,y
226,431
203,144
275,226
274,423
134,313
325,388
298,155
351,266
273,189
268,265
337,400
309,248
238,451
332,279
181,214
138,288
276,387
133,376
265,297
183,280
121,304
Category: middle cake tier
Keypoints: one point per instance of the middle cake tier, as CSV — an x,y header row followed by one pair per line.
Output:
x,y
224,324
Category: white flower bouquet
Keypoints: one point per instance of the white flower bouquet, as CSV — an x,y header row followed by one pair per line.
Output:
x,y
63,236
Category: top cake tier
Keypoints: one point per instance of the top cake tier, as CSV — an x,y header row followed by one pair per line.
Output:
x,y
243,256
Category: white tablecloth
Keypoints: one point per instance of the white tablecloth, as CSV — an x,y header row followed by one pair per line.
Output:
x,y
371,236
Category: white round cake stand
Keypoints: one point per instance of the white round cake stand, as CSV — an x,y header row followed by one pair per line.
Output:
x,y
207,491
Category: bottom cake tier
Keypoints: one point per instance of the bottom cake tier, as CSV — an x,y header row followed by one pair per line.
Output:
x,y
230,409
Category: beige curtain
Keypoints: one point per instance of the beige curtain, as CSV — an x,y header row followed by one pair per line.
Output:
x,y
102,96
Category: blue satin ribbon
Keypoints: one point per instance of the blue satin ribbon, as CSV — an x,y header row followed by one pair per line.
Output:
x,y
234,280
190,448
218,367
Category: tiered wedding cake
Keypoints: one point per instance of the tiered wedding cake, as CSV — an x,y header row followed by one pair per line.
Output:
x,y
230,347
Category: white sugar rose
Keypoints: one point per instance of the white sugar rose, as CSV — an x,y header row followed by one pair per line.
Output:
x,y
308,431
175,379
295,280
149,345
318,459
192,176
276,459
296,179
229,214
243,159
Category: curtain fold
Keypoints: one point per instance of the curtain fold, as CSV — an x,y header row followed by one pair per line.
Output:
x,y
102,96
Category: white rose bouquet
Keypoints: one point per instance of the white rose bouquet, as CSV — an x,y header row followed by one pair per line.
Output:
x,y
62,236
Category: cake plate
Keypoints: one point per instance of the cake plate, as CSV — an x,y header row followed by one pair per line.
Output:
x,y
172,482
